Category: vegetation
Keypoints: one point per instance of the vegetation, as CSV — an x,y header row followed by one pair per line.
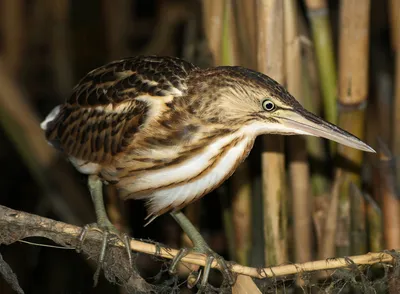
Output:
x,y
295,199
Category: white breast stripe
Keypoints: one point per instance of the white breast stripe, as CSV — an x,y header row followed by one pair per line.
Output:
x,y
185,193
167,176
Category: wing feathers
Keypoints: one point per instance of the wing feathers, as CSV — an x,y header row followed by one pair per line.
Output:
x,y
110,104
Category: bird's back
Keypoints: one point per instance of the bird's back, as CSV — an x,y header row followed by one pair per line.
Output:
x,y
105,110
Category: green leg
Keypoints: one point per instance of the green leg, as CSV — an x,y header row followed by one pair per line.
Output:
x,y
103,223
199,246
96,191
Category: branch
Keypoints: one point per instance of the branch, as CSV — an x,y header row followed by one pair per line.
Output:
x,y
22,225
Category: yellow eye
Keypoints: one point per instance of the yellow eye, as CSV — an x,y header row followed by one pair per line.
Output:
x,y
268,105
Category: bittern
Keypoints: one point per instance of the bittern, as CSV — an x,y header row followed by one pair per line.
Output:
x,y
163,130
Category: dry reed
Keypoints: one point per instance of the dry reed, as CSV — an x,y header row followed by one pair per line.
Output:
x,y
298,164
353,92
390,200
317,11
271,62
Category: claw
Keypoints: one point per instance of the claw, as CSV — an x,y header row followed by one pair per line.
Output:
x,y
181,254
195,277
206,273
108,232
199,246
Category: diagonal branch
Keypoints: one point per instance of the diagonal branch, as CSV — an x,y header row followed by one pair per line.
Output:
x,y
25,225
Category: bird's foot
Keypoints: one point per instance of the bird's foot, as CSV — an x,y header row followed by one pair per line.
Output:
x,y
211,257
110,234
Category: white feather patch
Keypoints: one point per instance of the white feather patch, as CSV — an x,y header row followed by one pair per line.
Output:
x,y
85,167
176,196
50,117
188,169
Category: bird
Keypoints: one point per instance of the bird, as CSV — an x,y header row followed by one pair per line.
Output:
x,y
165,131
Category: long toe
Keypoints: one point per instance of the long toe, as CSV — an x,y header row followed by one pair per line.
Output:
x,y
203,276
223,267
110,234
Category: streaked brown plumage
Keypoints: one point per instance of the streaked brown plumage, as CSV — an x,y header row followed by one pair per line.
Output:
x,y
164,130
143,114
106,122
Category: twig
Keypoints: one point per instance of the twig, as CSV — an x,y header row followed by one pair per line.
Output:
x,y
29,225
9,276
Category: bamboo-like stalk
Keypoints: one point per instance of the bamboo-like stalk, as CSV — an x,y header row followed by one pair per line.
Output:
x,y
12,31
390,201
353,91
381,107
317,11
390,207
394,18
327,245
229,49
298,165
244,12
213,15
270,61
375,226
316,152
395,29
358,233
391,237
312,101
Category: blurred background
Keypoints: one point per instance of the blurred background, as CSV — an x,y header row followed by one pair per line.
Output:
x,y
295,199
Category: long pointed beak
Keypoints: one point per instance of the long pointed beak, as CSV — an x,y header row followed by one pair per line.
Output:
x,y
304,122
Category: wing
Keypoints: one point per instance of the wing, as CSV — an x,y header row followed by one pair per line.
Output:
x,y
105,110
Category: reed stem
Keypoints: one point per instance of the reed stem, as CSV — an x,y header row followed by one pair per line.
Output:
x,y
353,92
323,42
298,164
270,59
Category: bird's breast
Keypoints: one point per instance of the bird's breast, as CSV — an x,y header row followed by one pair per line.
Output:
x,y
178,185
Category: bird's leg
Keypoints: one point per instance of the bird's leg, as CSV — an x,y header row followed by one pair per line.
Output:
x,y
199,246
103,224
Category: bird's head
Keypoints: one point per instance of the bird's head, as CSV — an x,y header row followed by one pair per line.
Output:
x,y
239,96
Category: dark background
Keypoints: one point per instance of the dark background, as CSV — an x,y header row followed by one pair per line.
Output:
x,y
55,43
